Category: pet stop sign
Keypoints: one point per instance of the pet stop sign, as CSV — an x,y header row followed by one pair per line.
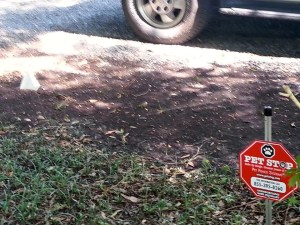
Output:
x,y
262,168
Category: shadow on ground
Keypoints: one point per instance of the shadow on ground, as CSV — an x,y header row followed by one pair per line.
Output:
x,y
167,114
266,37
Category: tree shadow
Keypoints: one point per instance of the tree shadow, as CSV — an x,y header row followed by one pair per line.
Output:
x,y
167,113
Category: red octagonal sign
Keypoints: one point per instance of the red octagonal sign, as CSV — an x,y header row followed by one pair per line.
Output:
x,y
262,168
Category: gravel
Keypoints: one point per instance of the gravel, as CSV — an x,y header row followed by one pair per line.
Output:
x,y
97,28
22,21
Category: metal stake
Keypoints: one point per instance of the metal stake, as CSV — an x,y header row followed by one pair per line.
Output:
x,y
268,137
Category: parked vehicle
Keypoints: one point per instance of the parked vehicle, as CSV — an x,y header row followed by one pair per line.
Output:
x,y
177,21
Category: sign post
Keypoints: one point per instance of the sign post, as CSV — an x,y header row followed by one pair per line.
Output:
x,y
268,137
263,166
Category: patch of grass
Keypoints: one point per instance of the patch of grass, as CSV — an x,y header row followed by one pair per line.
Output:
x,y
43,181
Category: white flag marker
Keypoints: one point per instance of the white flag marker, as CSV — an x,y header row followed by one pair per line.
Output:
x,y
29,82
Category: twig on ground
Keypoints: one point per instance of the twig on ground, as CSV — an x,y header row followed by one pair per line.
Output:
x,y
286,214
141,94
289,94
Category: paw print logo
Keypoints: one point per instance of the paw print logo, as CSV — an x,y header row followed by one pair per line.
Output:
x,y
268,151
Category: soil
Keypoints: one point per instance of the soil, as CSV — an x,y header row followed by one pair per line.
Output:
x,y
159,110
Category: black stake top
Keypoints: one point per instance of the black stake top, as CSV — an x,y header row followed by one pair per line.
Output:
x,y
268,111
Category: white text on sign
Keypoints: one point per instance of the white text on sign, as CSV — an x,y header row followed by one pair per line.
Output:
x,y
268,162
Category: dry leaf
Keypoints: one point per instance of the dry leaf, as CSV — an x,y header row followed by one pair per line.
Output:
x,y
50,168
82,137
191,164
185,156
93,174
160,111
173,180
57,219
260,219
143,105
67,119
120,190
180,171
75,122
19,190
87,140
221,204
178,204
130,198
64,143
111,132
103,215
294,220
167,170
187,175
10,174
40,117
93,101
49,138
2,132
253,206
60,105
115,213
57,207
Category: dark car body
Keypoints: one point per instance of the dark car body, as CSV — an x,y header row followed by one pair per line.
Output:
x,y
282,9
177,21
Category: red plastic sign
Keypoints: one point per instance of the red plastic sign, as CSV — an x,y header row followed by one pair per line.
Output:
x,y
262,168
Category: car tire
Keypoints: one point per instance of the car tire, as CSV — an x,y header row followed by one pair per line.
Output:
x,y
167,21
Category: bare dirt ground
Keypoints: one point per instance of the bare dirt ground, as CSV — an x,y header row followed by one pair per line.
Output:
x,y
162,101
204,97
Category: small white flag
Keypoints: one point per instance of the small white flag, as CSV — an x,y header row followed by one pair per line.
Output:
x,y
29,82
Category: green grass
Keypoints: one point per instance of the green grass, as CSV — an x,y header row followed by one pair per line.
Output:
x,y
51,176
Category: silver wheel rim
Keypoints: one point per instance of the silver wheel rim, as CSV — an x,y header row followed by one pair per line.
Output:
x,y
162,14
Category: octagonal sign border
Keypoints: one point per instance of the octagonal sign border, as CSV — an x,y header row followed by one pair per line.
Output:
x,y
264,174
